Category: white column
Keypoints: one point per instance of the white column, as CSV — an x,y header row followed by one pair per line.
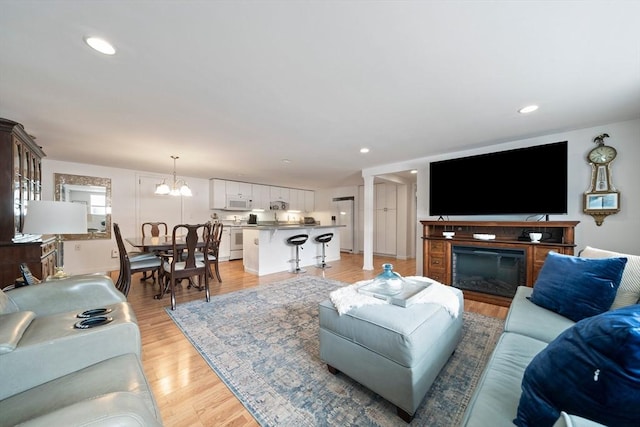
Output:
x,y
368,222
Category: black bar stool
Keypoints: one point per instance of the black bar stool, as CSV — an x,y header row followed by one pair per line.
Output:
x,y
297,241
323,239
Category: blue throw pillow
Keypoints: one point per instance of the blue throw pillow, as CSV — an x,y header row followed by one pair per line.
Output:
x,y
591,369
577,287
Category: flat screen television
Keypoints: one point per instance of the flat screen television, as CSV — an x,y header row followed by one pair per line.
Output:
x,y
530,180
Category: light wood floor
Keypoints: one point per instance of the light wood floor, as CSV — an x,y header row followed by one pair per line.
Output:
x,y
187,390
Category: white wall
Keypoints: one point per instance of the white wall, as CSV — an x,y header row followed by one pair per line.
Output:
x,y
618,232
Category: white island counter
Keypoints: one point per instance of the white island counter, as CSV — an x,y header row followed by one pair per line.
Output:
x,y
265,248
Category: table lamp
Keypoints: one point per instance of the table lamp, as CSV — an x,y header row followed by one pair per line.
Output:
x,y
48,217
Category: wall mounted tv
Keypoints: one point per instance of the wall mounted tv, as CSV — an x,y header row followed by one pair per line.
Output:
x,y
530,180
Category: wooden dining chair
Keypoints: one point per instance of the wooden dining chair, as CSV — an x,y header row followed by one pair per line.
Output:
x,y
152,229
216,236
129,266
188,240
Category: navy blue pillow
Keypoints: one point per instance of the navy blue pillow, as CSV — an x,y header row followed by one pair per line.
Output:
x,y
577,287
591,369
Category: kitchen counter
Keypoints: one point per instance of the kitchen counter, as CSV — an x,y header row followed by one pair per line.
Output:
x,y
289,226
265,250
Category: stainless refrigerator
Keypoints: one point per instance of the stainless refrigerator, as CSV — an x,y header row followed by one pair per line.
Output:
x,y
343,213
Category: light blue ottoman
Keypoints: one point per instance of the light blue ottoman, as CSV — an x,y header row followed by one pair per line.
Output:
x,y
396,352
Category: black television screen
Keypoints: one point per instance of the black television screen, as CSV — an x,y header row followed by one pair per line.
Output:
x,y
530,180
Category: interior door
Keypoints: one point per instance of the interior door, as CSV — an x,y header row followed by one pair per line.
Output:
x,y
385,217
344,216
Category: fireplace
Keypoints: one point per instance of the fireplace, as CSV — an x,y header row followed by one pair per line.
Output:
x,y
495,271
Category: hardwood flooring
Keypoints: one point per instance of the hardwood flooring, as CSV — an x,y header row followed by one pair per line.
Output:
x,y
186,389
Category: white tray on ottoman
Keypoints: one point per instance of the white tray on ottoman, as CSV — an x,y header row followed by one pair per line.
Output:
x,y
403,297
395,351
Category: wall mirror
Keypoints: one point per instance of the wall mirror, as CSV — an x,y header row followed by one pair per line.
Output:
x,y
95,194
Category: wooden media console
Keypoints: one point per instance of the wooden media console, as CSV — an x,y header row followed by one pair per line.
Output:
x,y
511,236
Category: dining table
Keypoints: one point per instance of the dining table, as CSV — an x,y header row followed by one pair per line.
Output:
x,y
159,245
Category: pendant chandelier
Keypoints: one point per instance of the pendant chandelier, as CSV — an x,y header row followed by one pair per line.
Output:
x,y
179,187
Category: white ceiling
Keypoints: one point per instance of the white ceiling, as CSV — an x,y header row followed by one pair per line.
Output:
x,y
234,87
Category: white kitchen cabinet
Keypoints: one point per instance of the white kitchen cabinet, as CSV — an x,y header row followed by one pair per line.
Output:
x,y
309,201
304,200
240,190
261,196
279,194
221,190
385,217
224,251
296,199
217,194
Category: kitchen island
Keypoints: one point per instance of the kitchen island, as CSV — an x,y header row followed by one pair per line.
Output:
x,y
265,248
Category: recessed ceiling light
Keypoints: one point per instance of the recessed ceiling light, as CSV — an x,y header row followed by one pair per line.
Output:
x,y
364,150
100,45
528,109
414,171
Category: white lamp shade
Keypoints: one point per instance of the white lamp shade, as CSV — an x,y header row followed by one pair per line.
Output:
x,y
185,190
49,217
163,188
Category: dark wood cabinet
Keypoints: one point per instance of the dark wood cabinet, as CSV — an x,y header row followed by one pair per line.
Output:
x,y
20,182
40,256
437,261
559,236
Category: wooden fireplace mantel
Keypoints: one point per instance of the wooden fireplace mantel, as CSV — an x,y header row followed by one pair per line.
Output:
x,y
559,236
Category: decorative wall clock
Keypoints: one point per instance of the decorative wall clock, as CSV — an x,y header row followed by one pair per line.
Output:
x,y
602,198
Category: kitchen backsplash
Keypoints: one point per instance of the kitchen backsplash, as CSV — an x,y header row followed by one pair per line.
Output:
x,y
230,218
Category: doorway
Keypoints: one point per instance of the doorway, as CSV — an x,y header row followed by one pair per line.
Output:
x,y
398,200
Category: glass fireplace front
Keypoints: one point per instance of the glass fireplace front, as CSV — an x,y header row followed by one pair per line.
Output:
x,y
495,271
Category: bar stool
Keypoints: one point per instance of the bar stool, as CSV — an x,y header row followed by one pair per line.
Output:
x,y
297,241
323,239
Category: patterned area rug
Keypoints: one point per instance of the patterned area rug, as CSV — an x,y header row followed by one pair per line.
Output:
x,y
263,343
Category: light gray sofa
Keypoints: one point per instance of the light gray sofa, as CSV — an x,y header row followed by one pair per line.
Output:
x,y
62,295
527,331
54,374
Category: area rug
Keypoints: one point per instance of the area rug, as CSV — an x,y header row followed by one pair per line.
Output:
x,y
263,343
